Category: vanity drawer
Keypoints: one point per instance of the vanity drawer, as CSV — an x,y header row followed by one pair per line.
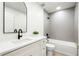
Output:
x,y
20,52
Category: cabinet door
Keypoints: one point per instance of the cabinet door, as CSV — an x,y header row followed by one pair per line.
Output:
x,y
41,48
38,49
25,51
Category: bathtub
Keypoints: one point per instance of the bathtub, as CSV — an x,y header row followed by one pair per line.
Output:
x,y
64,47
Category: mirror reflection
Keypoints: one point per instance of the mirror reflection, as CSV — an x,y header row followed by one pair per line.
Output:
x,y
14,17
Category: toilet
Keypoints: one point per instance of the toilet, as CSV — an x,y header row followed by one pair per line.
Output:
x,y
50,49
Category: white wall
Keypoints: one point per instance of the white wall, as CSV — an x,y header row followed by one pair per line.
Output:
x,y
46,23
63,25
34,21
35,18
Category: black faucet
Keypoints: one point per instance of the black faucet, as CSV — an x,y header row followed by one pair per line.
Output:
x,y
19,33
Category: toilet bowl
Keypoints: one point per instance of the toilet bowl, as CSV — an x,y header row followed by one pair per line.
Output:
x,y
50,49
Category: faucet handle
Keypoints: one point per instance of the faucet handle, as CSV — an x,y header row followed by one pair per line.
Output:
x,y
15,30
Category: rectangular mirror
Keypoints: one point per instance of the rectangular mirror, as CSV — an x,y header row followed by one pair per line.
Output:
x,y
14,17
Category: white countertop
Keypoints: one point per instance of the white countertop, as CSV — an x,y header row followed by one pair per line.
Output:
x,y
11,45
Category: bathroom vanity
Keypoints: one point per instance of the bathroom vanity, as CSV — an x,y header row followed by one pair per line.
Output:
x,y
15,21
33,47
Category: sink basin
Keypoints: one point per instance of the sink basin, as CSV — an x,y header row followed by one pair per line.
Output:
x,y
22,40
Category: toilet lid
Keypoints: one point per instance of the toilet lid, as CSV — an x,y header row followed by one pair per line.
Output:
x,y
50,45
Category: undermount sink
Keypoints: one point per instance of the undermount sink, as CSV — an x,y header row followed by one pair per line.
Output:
x,y
25,39
18,41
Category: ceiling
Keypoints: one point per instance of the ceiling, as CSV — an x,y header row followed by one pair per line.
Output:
x,y
51,6
20,6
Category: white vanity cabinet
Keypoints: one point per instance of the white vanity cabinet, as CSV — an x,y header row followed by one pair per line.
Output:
x,y
37,48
